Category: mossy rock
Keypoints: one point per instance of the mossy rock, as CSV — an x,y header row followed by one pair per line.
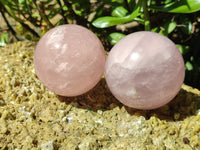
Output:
x,y
32,117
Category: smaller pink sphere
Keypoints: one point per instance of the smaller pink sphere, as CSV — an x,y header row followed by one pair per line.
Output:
x,y
69,60
144,70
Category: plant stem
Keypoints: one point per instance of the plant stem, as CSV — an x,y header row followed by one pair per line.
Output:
x,y
33,20
12,14
9,26
40,7
79,19
146,16
62,12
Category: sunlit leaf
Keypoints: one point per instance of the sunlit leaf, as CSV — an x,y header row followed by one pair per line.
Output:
x,y
65,8
156,29
168,28
188,66
183,49
113,38
35,15
47,1
108,21
119,12
179,6
165,29
29,2
3,39
22,2
186,26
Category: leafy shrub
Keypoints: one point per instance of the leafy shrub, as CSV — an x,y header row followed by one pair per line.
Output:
x,y
111,20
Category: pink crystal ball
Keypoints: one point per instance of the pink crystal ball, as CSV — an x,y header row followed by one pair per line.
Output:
x,y
144,70
69,60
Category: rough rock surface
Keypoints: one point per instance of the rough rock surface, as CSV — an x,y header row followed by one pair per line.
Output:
x,y
31,117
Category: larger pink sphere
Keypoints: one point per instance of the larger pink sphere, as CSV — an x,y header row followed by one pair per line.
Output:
x,y
69,60
145,70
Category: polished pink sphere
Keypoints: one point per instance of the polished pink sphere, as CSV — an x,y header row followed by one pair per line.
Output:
x,y
69,60
145,70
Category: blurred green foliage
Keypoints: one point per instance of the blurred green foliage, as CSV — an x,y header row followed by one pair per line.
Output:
x,y
111,20
3,39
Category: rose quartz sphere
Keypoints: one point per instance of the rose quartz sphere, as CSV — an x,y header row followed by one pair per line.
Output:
x,y
144,70
69,60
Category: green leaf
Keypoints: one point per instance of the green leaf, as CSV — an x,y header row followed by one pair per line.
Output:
x,y
179,6
108,21
36,15
183,49
47,1
192,58
53,13
65,8
156,29
10,11
187,26
168,28
4,39
113,38
188,66
131,4
22,2
60,22
29,2
118,1
119,11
